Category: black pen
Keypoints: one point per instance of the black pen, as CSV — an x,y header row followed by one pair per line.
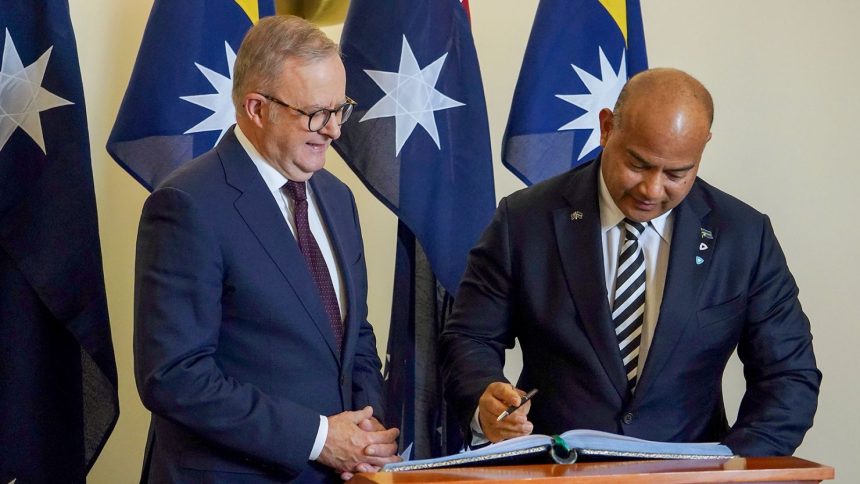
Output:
x,y
513,408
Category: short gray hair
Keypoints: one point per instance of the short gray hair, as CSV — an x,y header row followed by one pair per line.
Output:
x,y
271,42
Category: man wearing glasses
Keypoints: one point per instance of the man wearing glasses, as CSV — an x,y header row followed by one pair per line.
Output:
x,y
252,346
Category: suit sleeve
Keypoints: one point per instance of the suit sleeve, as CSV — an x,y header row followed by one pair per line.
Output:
x,y
779,365
479,329
178,289
366,374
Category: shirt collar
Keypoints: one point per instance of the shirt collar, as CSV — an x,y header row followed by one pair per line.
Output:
x,y
611,215
273,178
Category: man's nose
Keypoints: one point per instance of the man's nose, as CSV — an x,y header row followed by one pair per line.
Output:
x,y
331,128
652,185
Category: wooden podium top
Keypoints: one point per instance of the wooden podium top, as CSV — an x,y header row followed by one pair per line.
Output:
x,y
737,469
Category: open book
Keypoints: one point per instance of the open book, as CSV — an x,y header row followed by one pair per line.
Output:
x,y
567,448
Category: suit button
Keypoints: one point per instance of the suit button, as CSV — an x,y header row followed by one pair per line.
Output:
x,y
627,418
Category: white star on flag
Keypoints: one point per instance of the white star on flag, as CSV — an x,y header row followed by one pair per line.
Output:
x,y
603,94
221,103
410,96
22,96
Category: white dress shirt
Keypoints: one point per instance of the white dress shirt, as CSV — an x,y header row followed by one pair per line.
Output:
x,y
654,241
275,181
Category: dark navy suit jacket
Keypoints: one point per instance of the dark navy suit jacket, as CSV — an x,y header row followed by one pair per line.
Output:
x,y
537,275
234,354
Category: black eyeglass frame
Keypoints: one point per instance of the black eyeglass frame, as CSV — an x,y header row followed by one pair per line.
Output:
x,y
347,108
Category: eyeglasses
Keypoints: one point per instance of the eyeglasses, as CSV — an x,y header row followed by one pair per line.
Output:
x,y
318,119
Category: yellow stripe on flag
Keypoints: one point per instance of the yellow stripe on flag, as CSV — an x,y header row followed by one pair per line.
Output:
x,y
251,8
618,10
320,12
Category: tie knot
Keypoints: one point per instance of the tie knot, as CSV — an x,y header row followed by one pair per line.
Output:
x,y
296,190
633,229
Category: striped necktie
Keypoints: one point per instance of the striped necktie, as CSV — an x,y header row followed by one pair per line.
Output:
x,y
629,307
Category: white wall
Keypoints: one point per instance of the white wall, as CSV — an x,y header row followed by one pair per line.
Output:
x,y
782,75
781,72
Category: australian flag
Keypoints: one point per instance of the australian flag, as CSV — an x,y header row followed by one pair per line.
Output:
x,y
178,103
58,380
579,56
419,140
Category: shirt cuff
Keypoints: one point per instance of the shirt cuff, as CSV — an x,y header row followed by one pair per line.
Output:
x,y
319,443
478,437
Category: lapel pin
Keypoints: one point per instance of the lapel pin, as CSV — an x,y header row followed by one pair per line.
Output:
x,y
703,246
577,215
699,261
706,234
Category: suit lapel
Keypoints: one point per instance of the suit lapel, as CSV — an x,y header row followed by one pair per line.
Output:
x,y
260,212
577,231
688,266
336,222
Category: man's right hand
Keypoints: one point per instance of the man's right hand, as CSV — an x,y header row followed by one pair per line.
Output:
x,y
496,399
347,444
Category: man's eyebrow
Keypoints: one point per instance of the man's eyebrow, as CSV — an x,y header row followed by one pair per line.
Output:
x,y
318,106
681,169
641,159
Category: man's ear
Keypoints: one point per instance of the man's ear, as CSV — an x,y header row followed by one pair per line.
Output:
x,y
252,108
607,120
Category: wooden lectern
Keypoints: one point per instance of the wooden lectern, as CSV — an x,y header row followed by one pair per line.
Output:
x,y
736,469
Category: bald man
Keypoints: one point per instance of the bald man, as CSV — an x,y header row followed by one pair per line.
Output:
x,y
629,282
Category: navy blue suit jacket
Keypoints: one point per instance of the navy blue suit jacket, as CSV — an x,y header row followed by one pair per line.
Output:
x,y
537,275
234,354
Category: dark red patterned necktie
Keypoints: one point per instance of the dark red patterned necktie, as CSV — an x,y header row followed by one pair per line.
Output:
x,y
314,258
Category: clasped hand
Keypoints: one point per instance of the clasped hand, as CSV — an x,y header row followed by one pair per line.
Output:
x,y
357,442
496,399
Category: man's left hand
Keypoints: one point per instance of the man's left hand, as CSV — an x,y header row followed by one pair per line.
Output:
x,y
388,449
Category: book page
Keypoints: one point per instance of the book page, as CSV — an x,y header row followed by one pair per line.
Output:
x,y
500,450
596,441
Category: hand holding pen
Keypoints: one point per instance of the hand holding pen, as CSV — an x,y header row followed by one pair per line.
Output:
x,y
501,398
525,398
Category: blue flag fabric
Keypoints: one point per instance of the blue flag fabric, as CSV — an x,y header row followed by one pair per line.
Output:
x,y
419,140
414,395
58,381
178,103
580,54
